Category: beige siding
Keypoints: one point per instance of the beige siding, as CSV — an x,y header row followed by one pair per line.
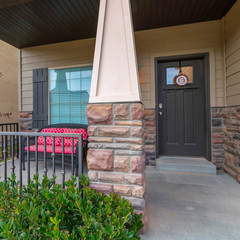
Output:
x,y
75,53
179,40
9,83
232,35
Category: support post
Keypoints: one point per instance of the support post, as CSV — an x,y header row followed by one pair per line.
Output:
x,y
115,158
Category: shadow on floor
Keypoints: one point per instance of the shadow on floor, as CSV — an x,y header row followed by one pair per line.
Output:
x,y
193,206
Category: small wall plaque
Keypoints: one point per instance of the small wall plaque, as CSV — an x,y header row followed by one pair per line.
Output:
x,y
181,80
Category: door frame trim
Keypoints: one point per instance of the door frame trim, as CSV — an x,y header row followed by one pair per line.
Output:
x,y
205,57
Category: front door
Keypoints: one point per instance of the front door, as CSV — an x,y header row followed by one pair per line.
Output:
x,y
182,109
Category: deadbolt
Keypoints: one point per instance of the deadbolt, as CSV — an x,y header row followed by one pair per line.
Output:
x,y
160,105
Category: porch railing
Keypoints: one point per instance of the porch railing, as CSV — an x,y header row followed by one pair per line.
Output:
x,y
20,137
8,127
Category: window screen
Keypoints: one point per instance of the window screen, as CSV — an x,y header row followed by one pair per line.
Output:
x,y
69,90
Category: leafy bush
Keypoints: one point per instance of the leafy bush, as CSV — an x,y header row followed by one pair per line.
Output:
x,y
46,211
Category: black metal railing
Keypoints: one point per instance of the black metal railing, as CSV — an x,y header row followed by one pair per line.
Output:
x,y
8,127
31,139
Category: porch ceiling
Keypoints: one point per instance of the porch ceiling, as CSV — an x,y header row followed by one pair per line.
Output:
x,y
25,23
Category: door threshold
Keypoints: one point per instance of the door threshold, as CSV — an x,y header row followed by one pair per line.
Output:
x,y
190,158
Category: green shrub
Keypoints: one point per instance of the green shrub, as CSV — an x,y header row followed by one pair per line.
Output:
x,y
50,212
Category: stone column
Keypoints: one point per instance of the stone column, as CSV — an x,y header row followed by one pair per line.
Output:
x,y
115,158
115,115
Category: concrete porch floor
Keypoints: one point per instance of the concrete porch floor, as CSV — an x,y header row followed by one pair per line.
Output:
x,y
192,206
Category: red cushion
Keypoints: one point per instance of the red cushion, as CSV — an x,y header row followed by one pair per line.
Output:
x,y
68,140
58,149
83,132
58,130
76,131
58,140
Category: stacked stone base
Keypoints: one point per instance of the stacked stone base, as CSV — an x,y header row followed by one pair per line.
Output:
x,y
115,158
226,139
25,121
150,136
231,129
217,138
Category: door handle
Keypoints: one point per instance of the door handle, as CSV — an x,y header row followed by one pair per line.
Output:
x,y
160,113
160,105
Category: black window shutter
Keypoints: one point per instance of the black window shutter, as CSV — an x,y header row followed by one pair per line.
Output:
x,y
40,97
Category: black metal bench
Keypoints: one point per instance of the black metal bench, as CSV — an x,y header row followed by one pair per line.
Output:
x,y
30,145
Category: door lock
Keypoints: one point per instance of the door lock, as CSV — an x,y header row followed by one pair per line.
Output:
x,y
160,105
160,113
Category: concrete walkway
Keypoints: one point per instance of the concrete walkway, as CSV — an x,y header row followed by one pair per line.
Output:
x,y
192,206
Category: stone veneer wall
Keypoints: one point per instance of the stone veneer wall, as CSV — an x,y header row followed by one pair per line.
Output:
x,y
231,129
217,137
150,136
116,160
226,139
25,121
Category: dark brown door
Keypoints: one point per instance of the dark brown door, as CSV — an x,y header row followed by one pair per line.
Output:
x,y
182,110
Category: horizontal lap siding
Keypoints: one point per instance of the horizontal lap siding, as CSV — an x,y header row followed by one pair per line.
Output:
x,y
62,55
232,31
186,38
148,43
52,56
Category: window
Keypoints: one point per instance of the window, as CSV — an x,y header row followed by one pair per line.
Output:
x,y
172,72
69,90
